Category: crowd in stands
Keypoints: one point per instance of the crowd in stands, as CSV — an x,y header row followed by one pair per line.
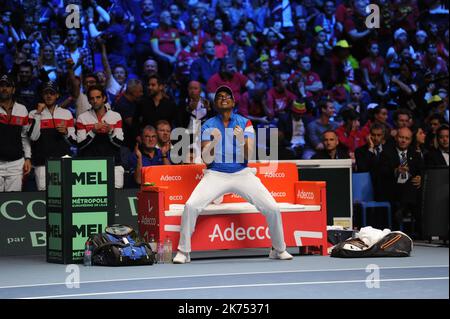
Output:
x,y
114,77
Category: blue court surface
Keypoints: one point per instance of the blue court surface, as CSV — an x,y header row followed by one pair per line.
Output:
x,y
239,274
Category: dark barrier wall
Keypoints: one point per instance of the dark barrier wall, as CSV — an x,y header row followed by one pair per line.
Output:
x,y
22,220
435,203
338,189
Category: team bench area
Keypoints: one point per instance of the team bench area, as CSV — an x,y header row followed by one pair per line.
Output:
x,y
233,223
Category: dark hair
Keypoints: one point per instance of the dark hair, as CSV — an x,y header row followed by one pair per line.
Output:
x,y
97,88
436,116
323,104
377,126
441,128
120,66
162,122
329,131
26,64
159,80
349,115
401,112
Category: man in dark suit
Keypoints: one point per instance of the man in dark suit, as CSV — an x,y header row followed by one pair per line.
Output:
x,y
400,172
368,156
331,150
439,157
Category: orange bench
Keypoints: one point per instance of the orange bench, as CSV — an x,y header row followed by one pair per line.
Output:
x,y
234,223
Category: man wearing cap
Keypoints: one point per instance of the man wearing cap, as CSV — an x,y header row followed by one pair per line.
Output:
x,y
227,144
15,151
51,132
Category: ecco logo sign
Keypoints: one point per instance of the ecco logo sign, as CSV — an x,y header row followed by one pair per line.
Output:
x,y
168,178
305,195
240,233
274,175
149,221
176,197
10,211
278,194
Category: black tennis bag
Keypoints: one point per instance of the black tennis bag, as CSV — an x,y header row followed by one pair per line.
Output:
x,y
119,245
394,244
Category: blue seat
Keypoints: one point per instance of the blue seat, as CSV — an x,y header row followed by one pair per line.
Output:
x,y
362,191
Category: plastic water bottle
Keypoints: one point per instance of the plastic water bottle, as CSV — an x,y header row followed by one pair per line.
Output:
x,y
152,243
168,251
87,260
160,253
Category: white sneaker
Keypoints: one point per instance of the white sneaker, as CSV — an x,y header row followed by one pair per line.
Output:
x,y
182,258
282,256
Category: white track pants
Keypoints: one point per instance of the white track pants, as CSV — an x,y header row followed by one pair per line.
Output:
x,y
11,174
244,183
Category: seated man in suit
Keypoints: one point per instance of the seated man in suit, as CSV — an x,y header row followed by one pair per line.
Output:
x,y
439,156
368,155
400,171
331,147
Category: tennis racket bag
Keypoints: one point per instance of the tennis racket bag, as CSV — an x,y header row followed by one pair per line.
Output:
x,y
394,244
119,245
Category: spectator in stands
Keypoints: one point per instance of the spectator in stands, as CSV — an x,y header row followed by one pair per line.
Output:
x,y
27,88
439,156
146,153
402,118
349,133
368,156
197,34
374,75
150,68
47,67
82,57
400,172
156,106
163,130
99,132
166,44
315,129
433,62
126,106
291,126
193,113
144,25
434,122
307,79
320,64
418,142
253,105
229,77
330,147
51,132
206,66
279,98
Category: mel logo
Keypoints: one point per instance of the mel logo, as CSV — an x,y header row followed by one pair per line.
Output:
x,y
86,230
88,178
54,179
